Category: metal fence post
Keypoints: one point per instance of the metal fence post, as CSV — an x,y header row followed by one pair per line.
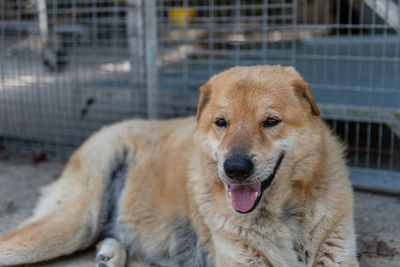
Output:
x,y
43,25
151,57
135,36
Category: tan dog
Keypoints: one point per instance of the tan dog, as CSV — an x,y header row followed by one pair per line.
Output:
x,y
257,180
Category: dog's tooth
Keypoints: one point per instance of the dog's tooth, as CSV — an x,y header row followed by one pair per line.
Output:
x,y
256,194
230,194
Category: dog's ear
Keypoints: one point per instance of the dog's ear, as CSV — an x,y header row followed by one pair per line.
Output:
x,y
302,90
205,93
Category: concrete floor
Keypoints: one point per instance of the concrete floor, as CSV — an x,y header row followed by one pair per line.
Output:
x,y
377,216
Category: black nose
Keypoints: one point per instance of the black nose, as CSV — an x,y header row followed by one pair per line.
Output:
x,y
238,167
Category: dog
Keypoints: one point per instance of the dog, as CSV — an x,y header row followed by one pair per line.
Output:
x,y
255,179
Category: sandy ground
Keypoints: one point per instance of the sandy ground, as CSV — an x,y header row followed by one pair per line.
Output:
x,y
377,216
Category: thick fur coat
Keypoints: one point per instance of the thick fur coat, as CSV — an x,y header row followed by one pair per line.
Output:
x,y
256,179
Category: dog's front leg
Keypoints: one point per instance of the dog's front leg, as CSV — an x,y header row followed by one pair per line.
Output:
x,y
235,252
338,247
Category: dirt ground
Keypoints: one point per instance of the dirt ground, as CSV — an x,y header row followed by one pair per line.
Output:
x,y
377,216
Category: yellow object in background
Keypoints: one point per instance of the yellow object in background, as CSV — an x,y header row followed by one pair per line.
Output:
x,y
181,16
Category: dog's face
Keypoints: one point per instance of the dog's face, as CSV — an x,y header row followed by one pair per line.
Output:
x,y
250,119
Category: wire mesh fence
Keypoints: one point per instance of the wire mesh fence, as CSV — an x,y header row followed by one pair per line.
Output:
x,y
68,67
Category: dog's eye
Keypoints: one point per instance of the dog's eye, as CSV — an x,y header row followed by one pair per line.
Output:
x,y
221,123
271,122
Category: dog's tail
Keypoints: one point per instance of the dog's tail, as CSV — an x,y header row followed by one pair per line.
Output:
x,y
68,216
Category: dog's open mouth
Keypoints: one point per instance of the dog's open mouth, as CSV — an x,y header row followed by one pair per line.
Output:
x,y
246,197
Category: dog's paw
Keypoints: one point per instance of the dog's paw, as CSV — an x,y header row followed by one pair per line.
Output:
x,y
103,261
116,260
110,253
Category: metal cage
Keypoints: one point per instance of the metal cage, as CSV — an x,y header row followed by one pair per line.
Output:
x,y
70,66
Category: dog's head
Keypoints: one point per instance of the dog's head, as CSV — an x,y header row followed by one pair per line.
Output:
x,y
253,122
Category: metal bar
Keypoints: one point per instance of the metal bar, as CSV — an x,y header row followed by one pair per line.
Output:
x,y
135,36
150,17
377,180
225,7
264,33
353,118
43,25
379,160
3,95
391,160
211,40
185,42
237,30
367,158
357,143
346,131
294,33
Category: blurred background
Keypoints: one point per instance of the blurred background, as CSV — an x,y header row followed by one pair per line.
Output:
x,y
68,67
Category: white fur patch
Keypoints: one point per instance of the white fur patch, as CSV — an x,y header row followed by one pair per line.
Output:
x,y
214,145
284,144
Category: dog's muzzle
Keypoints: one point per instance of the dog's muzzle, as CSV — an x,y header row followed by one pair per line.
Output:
x,y
246,197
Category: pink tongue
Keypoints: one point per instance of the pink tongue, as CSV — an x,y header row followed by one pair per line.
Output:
x,y
244,196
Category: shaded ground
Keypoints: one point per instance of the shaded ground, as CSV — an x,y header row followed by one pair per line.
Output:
x,y
377,217
377,221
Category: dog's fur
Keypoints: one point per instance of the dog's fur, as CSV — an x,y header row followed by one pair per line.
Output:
x,y
157,192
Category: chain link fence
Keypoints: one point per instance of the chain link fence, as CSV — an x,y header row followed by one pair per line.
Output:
x,y
69,67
